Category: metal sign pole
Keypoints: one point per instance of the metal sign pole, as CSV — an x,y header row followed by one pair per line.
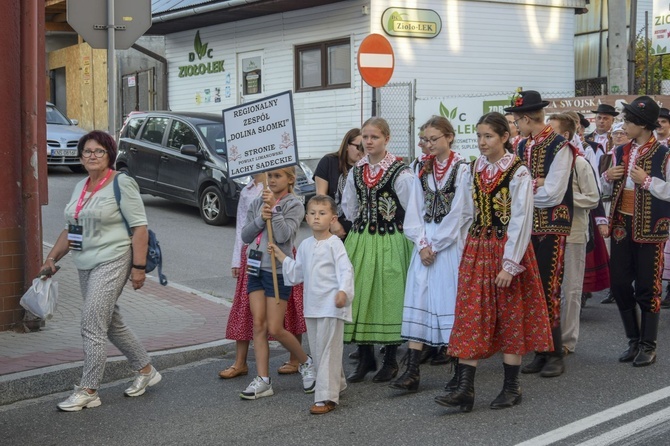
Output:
x,y
111,70
374,102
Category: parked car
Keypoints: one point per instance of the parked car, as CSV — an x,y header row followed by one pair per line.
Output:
x,y
181,156
62,138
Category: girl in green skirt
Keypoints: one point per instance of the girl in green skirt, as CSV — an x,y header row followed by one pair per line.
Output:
x,y
375,198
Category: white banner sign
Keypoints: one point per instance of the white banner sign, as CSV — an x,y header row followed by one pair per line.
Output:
x,y
660,26
463,113
260,135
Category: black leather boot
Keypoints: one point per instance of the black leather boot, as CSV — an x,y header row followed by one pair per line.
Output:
x,y
389,367
427,353
554,366
366,363
464,395
510,395
442,357
536,364
410,379
647,354
630,326
453,382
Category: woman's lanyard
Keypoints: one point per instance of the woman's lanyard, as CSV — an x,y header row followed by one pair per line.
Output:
x,y
81,202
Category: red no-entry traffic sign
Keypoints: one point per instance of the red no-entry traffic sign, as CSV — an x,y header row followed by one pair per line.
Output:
x,y
376,60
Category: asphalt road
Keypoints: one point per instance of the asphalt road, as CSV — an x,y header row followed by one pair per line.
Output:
x,y
598,401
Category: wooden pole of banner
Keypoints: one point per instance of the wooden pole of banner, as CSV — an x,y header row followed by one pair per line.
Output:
x,y
273,260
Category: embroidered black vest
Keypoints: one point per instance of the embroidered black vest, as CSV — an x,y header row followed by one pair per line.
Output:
x,y
438,203
379,207
557,219
651,216
493,210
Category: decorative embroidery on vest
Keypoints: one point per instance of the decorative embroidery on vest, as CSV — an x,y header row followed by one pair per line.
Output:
x,y
493,203
651,216
379,207
502,203
558,219
438,203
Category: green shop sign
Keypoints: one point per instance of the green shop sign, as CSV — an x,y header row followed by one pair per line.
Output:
x,y
206,66
495,106
407,22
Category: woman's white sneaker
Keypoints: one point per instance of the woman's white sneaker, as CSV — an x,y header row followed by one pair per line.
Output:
x,y
257,389
143,381
80,399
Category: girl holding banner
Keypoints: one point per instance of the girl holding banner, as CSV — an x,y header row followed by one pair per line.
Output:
x,y
279,207
240,321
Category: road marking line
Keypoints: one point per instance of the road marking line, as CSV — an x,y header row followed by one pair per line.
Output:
x,y
630,429
371,60
601,417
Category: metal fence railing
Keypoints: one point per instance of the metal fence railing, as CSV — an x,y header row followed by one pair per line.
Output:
x,y
591,87
396,106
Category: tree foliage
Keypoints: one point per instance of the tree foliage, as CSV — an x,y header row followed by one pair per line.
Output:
x,y
659,67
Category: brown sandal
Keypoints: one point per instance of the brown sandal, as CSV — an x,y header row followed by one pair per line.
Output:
x,y
233,372
320,410
287,369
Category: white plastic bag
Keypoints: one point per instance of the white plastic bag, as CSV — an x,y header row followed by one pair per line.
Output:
x,y
41,298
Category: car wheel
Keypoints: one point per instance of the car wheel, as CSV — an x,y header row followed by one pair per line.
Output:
x,y
212,208
78,169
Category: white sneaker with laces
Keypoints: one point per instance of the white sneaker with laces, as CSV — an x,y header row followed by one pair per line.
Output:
x,y
80,399
257,389
308,376
143,381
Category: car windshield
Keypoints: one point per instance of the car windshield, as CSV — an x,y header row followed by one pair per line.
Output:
x,y
54,116
215,137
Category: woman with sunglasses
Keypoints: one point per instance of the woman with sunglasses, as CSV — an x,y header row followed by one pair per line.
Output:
x,y
331,174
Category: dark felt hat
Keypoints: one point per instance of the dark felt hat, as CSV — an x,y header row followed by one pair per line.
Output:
x,y
527,101
606,109
665,113
583,121
645,108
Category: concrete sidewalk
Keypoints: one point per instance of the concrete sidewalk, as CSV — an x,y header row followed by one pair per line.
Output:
x,y
176,325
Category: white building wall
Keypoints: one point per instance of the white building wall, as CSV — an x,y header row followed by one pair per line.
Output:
x,y
487,48
483,49
642,6
322,117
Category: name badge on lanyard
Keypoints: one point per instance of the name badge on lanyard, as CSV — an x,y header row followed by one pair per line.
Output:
x,y
254,259
75,237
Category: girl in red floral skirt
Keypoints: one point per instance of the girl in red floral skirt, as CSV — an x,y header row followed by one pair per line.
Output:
x,y
500,304
240,325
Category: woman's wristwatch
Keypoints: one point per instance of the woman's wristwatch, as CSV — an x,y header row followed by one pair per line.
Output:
x,y
142,267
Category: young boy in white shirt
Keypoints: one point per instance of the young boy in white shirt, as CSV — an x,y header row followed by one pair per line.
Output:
x,y
322,264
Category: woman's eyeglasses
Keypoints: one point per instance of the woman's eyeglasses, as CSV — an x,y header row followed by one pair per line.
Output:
x,y
99,153
432,141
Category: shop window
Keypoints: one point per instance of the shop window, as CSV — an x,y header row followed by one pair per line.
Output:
x,y
323,65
